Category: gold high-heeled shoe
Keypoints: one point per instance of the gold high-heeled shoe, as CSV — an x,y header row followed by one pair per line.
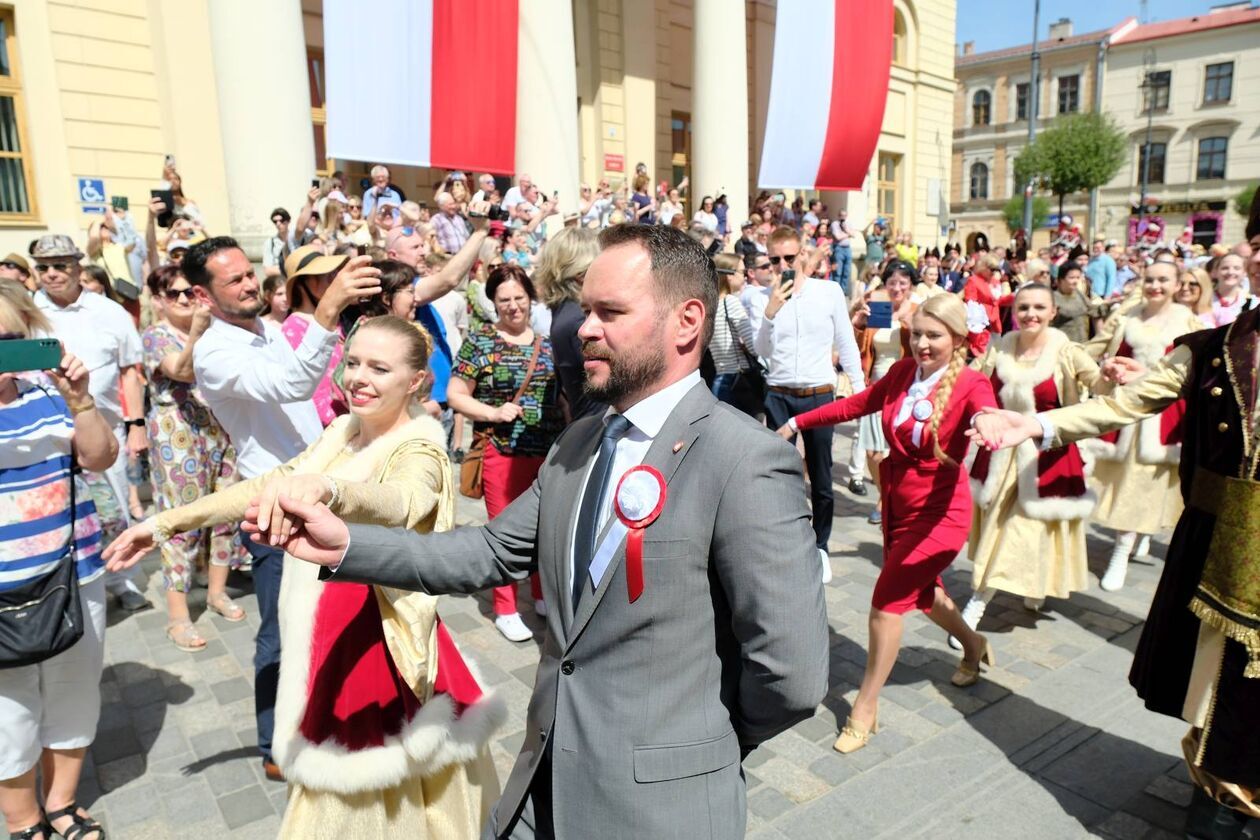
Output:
x,y
854,736
968,674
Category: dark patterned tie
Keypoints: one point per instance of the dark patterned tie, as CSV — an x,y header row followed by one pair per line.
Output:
x,y
593,502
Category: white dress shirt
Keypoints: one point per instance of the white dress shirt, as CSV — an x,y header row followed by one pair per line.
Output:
x,y
646,417
260,388
755,298
797,343
103,336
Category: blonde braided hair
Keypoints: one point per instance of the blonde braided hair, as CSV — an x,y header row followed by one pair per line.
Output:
x,y
952,314
417,340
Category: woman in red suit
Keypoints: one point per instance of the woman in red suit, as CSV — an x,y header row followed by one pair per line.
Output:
x,y
926,402
985,294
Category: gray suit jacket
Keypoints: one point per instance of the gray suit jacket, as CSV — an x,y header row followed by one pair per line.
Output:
x,y
645,706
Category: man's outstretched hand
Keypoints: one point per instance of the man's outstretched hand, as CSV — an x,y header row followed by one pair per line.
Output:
x,y
317,535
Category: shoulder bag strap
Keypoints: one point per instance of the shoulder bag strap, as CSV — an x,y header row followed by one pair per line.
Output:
x,y
529,371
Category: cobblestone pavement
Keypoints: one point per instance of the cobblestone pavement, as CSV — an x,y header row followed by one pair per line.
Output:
x,y
1051,744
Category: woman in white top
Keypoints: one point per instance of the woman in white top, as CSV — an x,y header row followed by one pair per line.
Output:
x,y
706,216
881,348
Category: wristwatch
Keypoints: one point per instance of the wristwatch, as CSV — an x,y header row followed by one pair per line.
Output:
x,y
136,422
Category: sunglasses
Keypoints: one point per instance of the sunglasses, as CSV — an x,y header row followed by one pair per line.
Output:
x,y
175,294
7,264
62,267
278,221
762,266
787,258
1193,286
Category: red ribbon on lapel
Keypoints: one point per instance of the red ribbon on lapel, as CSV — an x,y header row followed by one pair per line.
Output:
x,y
637,516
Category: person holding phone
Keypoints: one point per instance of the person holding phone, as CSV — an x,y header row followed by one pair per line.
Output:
x,y
882,342
804,332
49,710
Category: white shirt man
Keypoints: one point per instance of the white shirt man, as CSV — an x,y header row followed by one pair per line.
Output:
x,y
516,195
485,189
756,293
379,190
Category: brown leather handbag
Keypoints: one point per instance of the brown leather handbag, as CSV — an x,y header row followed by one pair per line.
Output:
x,y
470,471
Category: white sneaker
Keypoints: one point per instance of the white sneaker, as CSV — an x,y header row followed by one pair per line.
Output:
x,y
540,608
1034,604
512,628
1143,547
826,566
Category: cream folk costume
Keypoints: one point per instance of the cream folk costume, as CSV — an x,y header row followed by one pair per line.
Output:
x,y
1031,507
381,726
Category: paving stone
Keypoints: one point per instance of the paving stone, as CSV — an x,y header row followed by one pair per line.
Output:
x,y
111,744
229,776
232,690
245,806
768,803
1124,826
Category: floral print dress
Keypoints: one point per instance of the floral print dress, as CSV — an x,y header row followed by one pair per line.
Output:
x,y
191,457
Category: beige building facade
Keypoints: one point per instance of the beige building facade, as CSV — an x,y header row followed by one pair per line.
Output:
x,y
992,107
1203,122
94,94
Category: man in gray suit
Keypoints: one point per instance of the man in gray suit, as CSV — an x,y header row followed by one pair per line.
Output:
x,y
651,688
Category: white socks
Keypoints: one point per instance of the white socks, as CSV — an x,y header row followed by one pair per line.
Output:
x,y
1113,578
1143,547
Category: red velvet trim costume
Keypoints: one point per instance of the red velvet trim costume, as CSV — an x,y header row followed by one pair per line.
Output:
x,y
926,503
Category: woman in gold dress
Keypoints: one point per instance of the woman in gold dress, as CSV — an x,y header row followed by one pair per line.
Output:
x,y
381,726
1135,476
1028,524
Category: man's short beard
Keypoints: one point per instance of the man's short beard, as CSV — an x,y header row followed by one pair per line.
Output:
x,y
628,373
242,310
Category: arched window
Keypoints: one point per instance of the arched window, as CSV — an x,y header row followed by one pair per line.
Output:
x,y
899,38
981,109
979,181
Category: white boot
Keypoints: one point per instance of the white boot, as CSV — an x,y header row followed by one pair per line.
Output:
x,y
1118,566
1143,547
972,613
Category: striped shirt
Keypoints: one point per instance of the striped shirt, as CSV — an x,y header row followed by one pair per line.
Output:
x,y
35,448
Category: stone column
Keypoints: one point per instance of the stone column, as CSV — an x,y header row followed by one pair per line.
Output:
x,y
719,107
546,101
264,110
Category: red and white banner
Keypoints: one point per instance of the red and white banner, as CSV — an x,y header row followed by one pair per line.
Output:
x,y
422,82
823,137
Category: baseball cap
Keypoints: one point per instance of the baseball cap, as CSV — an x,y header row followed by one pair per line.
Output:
x,y
177,244
747,223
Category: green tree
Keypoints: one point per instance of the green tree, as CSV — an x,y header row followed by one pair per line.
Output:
x,y
1076,154
1242,201
1013,212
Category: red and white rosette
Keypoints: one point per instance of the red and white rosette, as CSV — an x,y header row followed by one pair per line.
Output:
x,y
638,502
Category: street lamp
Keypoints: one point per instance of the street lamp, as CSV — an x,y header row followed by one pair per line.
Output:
x,y
1148,96
1034,83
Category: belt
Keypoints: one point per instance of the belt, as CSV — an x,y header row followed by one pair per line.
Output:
x,y
803,392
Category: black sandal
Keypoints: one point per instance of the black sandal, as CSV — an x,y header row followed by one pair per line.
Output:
x,y
41,828
79,825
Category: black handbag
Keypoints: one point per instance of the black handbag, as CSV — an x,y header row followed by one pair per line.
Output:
x,y
748,393
40,619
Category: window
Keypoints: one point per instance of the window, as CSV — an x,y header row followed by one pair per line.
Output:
x,y
979,181
1069,94
1212,152
888,186
899,39
319,114
1021,101
1159,153
1218,82
17,194
980,107
680,150
1155,90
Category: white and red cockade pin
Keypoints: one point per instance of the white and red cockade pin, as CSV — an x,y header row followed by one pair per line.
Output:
x,y
638,502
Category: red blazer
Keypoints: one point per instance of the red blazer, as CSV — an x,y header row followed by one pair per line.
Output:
x,y
977,289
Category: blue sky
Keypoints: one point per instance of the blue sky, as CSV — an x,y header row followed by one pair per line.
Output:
x,y
994,24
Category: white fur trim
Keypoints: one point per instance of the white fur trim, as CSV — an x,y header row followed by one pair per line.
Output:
x,y
984,494
1099,449
1150,448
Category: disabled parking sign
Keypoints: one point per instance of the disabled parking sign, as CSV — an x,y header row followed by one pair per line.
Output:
x,y
91,190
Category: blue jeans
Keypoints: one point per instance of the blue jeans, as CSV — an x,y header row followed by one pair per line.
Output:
x,y
268,566
723,386
842,265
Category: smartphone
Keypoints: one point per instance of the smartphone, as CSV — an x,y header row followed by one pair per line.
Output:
x,y
169,160
787,280
119,202
314,182
29,354
167,197
881,315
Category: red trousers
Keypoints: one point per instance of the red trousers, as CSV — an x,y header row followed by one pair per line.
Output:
x,y
503,478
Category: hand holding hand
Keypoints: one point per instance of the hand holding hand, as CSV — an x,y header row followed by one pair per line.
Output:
x,y
319,536
129,546
996,428
274,525
785,432
1122,370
